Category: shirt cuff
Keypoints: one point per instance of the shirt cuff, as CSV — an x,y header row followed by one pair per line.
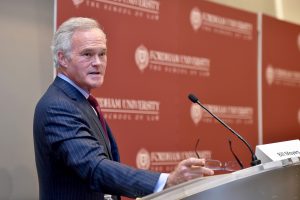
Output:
x,y
161,182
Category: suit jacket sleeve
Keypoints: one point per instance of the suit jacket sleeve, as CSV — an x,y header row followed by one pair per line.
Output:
x,y
73,142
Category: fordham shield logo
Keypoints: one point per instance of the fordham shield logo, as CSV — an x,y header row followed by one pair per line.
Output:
x,y
77,2
270,74
196,113
143,159
195,18
142,57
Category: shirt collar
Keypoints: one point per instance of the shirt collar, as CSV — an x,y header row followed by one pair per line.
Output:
x,y
65,78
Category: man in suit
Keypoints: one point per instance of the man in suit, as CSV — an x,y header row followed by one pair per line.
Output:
x,y
76,154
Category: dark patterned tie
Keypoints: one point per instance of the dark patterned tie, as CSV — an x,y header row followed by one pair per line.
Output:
x,y
93,101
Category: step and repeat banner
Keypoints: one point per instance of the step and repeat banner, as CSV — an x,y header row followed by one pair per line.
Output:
x,y
161,51
281,80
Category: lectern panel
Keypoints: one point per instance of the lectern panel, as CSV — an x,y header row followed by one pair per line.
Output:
x,y
278,180
279,184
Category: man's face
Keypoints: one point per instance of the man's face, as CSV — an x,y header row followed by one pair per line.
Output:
x,y
87,62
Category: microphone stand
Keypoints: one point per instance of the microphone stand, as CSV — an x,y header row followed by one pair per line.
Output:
x,y
254,159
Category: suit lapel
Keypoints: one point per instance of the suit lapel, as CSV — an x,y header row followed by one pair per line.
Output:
x,y
87,110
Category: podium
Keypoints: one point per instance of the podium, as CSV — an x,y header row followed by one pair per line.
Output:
x,y
279,180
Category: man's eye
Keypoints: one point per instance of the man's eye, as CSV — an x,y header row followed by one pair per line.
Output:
x,y
87,54
102,54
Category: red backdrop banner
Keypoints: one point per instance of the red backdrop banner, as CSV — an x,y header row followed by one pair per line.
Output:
x,y
280,80
158,53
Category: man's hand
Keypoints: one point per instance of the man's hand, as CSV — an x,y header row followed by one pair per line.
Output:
x,y
186,170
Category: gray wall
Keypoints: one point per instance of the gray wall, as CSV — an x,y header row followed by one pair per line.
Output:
x,y
26,71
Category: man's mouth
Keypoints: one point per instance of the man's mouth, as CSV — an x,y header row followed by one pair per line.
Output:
x,y
96,73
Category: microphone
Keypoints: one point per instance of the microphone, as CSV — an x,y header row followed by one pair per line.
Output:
x,y
255,160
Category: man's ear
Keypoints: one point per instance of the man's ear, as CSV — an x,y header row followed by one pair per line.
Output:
x,y
62,59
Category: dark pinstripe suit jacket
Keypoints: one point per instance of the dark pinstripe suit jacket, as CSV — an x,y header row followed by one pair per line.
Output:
x,y
73,159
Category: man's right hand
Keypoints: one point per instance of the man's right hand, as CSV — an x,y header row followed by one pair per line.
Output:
x,y
187,170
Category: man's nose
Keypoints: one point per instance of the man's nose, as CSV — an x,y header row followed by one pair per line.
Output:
x,y
96,60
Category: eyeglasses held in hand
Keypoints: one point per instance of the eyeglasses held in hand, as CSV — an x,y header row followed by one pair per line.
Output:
x,y
218,165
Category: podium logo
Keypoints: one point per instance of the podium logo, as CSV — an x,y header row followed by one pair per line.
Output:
x,y
228,113
196,113
143,159
270,74
280,76
162,61
130,109
218,24
142,57
195,18
147,9
77,2
165,161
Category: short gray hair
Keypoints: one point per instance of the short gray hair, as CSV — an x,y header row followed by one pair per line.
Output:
x,y
62,40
